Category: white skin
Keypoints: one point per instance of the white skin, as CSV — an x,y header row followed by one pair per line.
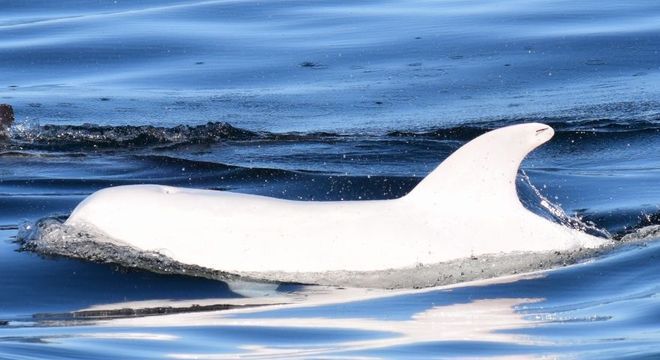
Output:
x,y
467,206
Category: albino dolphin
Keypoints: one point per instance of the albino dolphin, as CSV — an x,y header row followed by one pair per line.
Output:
x,y
467,206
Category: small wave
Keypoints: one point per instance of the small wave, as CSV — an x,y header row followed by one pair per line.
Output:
x,y
647,227
642,234
190,164
561,125
89,136
108,137
165,160
31,154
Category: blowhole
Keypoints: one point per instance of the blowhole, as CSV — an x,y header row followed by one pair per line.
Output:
x,y
169,190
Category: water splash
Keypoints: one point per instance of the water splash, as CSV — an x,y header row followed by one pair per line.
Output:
x,y
558,214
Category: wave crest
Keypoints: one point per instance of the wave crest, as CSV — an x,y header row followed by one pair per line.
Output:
x,y
95,137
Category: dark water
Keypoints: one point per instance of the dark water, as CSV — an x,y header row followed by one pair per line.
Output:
x,y
329,101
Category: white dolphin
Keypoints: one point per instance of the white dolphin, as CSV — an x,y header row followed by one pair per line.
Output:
x,y
467,206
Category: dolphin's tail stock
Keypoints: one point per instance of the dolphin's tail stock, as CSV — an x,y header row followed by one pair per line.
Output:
x,y
484,169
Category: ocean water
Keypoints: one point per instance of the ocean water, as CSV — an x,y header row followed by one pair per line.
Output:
x,y
328,100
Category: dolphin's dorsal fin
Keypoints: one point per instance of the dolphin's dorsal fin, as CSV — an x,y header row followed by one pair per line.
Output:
x,y
484,169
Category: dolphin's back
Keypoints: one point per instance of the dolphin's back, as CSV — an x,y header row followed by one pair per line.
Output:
x,y
467,206
246,232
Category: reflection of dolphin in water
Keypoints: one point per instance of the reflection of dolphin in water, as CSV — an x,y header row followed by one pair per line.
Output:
x,y
467,206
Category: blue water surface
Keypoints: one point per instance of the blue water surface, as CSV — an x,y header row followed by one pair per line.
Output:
x,y
329,100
